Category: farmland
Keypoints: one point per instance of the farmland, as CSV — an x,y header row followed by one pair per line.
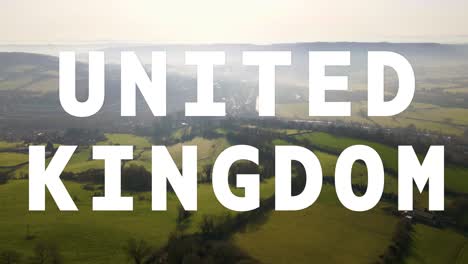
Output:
x,y
435,119
427,246
31,114
314,233
207,150
4,145
318,233
99,235
456,177
9,159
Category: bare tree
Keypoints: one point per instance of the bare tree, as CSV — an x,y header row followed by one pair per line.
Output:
x,y
137,251
10,257
46,253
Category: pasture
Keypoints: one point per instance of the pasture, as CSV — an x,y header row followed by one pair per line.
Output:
x,y
207,150
100,236
431,118
432,245
358,174
315,233
326,232
127,139
10,159
5,145
456,177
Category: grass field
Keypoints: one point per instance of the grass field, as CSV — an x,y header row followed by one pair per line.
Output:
x,y
301,111
445,120
43,86
431,245
359,172
207,149
100,236
177,135
209,205
456,177
8,159
82,161
456,116
126,139
82,158
336,144
326,232
15,84
455,91
4,145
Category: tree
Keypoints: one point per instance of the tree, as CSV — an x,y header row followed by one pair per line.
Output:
x,y
458,211
46,253
137,251
136,178
10,257
207,171
241,167
183,218
411,128
207,225
50,147
3,177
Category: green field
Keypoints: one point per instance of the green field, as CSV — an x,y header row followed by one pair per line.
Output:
x,y
336,144
455,91
431,245
32,79
358,174
100,236
177,134
12,84
126,139
43,86
207,150
4,145
444,120
326,232
209,205
456,177
82,161
9,159
301,111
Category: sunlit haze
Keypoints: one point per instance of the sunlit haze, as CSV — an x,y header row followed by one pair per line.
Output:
x,y
246,21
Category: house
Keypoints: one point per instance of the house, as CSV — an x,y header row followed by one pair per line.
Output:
x,y
424,217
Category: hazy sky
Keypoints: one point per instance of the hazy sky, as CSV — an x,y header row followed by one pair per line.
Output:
x,y
254,21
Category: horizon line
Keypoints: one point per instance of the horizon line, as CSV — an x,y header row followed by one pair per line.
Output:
x,y
124,42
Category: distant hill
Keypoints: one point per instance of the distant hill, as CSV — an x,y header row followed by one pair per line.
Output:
x,y
30,72
438,67
29,81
